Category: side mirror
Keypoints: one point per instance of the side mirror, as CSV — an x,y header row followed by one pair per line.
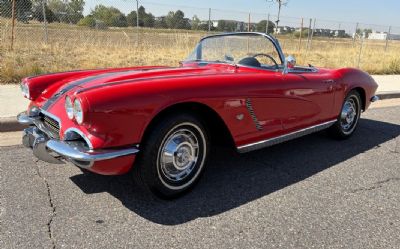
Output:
x,y
290,63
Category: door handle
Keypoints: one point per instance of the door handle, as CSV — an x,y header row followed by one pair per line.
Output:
x,y
329,81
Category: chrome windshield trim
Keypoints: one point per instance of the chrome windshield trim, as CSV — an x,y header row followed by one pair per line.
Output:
x,y
284,138
69,151
274,41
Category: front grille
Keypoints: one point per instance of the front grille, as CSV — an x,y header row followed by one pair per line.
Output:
x,y
52,125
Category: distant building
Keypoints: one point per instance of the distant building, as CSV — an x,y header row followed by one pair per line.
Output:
x,y
383,36
281,30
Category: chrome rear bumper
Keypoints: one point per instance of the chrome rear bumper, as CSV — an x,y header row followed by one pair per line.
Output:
x,y
374,98
56,151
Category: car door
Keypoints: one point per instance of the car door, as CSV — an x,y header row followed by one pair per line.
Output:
x,y
283,103
309,98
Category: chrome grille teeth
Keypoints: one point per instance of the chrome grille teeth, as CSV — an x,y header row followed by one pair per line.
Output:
x,y
52,125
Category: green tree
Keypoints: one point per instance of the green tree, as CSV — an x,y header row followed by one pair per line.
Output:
x,y
160,23
87,21
304,33
145,19
37,12
67,11
177,20
196,23
112,17
261,26
221,25
22,7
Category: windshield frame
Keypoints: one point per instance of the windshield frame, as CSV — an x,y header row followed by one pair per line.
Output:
x,y
272,39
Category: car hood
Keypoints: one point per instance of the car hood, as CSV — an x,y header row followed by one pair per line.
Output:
x,y
64,83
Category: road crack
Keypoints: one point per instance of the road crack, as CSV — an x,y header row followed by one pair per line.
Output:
x,y
52,206
376,185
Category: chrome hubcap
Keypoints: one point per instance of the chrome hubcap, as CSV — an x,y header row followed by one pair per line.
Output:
x,y
179,155
349,114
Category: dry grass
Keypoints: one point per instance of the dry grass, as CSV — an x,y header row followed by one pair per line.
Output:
x,y
71,47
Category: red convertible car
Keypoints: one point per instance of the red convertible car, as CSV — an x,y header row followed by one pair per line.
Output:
x,y
159,122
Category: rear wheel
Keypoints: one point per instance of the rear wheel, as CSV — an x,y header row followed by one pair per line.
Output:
x,y
173,156
349,116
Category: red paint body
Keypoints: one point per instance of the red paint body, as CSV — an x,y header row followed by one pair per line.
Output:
x,y
119,107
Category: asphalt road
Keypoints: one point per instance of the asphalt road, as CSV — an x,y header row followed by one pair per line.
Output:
x,y
313,192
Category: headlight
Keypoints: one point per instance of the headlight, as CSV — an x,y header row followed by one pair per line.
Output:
x,y
69,107
25,90
78,112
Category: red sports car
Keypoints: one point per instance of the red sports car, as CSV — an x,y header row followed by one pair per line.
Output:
x,y
159,122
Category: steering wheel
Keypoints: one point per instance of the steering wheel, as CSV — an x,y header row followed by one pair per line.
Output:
x,y
268,56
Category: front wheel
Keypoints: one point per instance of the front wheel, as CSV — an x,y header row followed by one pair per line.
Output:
x,y
173,156
348,118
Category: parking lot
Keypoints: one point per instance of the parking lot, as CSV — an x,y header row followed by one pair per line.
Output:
x,y
313,192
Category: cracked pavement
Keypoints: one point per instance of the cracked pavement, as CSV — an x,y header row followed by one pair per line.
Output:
x,y
311,192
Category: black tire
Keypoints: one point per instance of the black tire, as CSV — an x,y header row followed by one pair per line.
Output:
x,y
169,171
343,128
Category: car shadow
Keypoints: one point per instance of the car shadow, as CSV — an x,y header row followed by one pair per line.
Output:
x,y
233,179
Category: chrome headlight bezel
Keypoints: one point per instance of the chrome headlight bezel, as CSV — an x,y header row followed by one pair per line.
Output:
x,y
78,111
69,108
25,90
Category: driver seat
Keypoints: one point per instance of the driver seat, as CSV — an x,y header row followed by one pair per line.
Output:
x,y
250,61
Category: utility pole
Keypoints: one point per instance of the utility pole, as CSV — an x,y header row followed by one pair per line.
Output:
x,y
267,26
387,38
209,19
248,28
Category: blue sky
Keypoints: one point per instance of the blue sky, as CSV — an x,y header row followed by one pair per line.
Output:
x,y
330,14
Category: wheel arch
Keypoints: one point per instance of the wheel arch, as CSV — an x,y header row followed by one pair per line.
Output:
x,y
362,93
219,131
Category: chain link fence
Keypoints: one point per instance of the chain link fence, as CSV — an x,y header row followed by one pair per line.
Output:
x,y
54,35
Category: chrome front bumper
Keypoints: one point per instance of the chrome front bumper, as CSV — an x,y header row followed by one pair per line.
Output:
x,y
56,151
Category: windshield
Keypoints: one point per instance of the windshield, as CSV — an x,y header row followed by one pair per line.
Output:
x,y
245,49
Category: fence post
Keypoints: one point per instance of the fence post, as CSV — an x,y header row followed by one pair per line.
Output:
x,y
387,38
359,55
266,28
355,34
309,34
312,33
137,22
209,19
13,25
46,34
301,32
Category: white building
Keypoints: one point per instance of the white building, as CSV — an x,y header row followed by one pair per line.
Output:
x,y
383,36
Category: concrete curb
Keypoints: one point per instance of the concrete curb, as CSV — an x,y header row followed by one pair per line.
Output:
x,y
11,124
388,95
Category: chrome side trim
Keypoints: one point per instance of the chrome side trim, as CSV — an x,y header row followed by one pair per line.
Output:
x,y
375,98
253,115
71,152
284,138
